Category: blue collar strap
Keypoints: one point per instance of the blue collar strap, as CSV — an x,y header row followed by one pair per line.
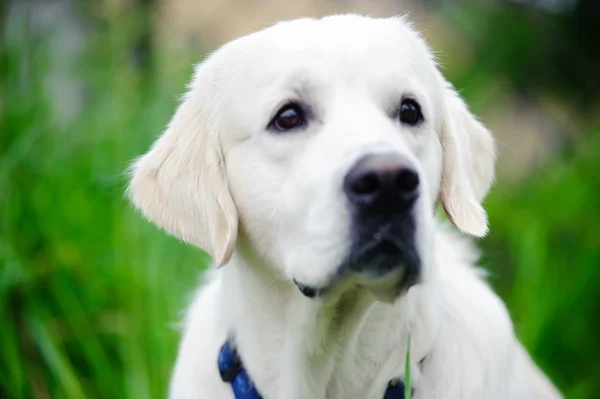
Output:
x,y
232,371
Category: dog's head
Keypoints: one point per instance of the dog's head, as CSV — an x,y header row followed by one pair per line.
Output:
x,y
329,142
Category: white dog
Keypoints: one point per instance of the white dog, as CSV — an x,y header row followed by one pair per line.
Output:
x,y
308,160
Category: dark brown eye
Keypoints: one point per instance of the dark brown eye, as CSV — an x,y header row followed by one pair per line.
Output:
x,y
290,116
410,112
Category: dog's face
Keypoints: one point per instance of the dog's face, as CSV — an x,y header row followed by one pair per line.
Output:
x,y
330,142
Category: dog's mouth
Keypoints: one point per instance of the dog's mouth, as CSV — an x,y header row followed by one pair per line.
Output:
x,y
308,291
383,255
385,266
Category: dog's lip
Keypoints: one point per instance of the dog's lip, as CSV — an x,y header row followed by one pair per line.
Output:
x,y
392,281
386,287
354,271
307,290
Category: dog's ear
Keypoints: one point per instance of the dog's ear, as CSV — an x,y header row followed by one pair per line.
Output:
x,y
181,184
469,156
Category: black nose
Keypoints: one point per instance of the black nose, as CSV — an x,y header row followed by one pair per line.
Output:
x,y
384,181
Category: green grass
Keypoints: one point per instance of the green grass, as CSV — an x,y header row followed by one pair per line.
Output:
x,y
544,252
90,293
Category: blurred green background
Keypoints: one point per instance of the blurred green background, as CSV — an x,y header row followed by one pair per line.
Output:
x,y
90,294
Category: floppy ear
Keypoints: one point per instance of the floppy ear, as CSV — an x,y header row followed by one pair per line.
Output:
x,y
469,157
181,185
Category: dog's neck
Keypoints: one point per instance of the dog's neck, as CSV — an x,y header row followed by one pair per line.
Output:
x,y
276,328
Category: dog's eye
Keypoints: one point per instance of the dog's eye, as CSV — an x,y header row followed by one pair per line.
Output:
x,y
410,112
290,116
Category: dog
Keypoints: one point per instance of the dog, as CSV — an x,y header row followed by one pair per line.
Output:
x,y
310,160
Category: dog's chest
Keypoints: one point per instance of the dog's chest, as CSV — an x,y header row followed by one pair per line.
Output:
x,y
369,372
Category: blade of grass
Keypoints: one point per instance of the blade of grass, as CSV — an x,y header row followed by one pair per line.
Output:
x,y
55,358
407,382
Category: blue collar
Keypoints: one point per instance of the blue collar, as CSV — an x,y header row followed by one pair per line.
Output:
x,y
233,372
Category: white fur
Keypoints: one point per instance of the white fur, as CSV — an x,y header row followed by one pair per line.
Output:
x,y
218,165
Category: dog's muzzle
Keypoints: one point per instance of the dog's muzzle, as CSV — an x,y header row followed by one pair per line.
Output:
x,y
381,191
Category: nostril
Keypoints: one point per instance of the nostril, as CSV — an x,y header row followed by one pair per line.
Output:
x,y
366,184
383,180
407,180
